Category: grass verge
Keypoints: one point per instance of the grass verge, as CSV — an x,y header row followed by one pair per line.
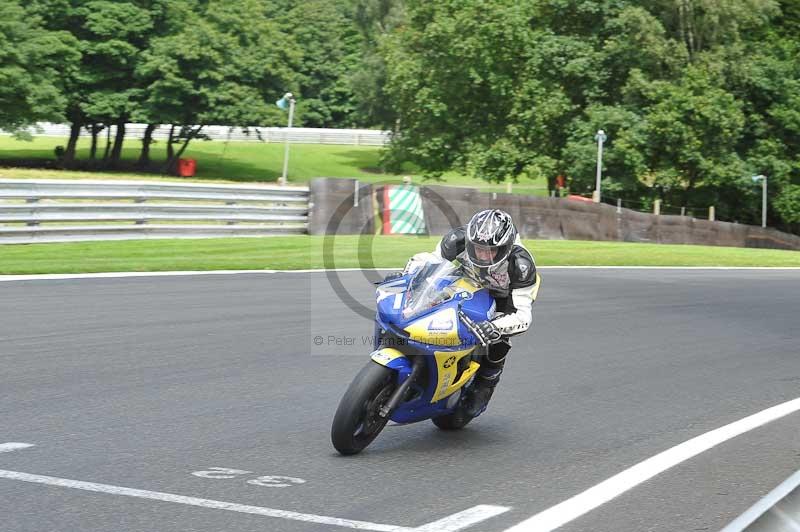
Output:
x,y
302,252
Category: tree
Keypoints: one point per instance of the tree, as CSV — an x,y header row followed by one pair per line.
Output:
x,y
452,78
329,44
31,62
110,35
225,66
115,33
702,25
691,129
375,20
491,87
788,204
696,95
624,157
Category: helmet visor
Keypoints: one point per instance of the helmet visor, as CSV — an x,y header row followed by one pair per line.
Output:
x,y
482,255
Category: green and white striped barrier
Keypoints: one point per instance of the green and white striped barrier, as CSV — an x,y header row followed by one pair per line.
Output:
x,y
402,210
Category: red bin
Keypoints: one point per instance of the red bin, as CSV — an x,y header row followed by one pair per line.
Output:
x,y
186,167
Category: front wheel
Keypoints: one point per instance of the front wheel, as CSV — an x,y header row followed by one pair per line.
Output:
x,y
357,421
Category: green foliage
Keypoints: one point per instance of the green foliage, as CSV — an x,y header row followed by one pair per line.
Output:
x,y
225,65
375,20
31,59
111,35
788,204
695,95
329,46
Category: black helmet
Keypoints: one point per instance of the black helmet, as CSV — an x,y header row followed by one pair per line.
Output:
x,y
490,237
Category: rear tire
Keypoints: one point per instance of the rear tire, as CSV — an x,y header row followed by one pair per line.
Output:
x,y
357,422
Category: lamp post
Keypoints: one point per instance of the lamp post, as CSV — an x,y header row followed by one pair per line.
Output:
x,y
600,138
287,101
763,179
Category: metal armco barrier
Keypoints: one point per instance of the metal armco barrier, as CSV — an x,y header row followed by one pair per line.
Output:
x,y
114,210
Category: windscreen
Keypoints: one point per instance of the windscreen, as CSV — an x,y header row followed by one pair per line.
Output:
x,y
430,287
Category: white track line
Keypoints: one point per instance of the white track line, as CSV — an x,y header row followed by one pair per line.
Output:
x,y
734,268
114,275
194,501
13,446
464,519
764,505
452,523
595,496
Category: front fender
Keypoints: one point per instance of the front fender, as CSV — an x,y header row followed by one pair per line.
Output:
x,y
393,359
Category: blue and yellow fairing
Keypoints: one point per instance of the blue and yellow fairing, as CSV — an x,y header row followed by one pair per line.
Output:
x,y
438,333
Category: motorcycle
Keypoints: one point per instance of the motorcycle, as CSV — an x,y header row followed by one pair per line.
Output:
x,y
426,358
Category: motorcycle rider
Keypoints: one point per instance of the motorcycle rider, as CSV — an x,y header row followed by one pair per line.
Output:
x,y
490,247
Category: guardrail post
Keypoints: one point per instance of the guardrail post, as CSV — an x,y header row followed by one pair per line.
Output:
x,y
711,215
32,200
140,200
230,204
619,205
657,207
683,211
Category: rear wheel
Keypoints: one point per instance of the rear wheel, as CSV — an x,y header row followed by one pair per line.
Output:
x,y
357,421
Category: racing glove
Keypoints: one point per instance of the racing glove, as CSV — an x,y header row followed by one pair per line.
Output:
x,y
486,332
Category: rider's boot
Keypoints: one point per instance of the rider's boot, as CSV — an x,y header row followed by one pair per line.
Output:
x,y
487,377
482,390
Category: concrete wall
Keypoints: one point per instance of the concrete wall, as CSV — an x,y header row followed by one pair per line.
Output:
x,y
540,217
332,207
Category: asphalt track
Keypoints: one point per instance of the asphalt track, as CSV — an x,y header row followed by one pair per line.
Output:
x,y
139,382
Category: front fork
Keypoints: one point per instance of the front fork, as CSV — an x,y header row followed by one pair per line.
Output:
x,y
417,363
376,336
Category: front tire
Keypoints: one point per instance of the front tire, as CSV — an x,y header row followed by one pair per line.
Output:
x,y
357,421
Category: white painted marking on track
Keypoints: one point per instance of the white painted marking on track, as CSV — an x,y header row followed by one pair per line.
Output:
x,y
711,268
464,519
600,494
115,275
764,505
220,473
452,523
13,446
118,275
194,501
276,481
269,481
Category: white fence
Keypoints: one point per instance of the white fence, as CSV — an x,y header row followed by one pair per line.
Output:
x,y
298,135
62,210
